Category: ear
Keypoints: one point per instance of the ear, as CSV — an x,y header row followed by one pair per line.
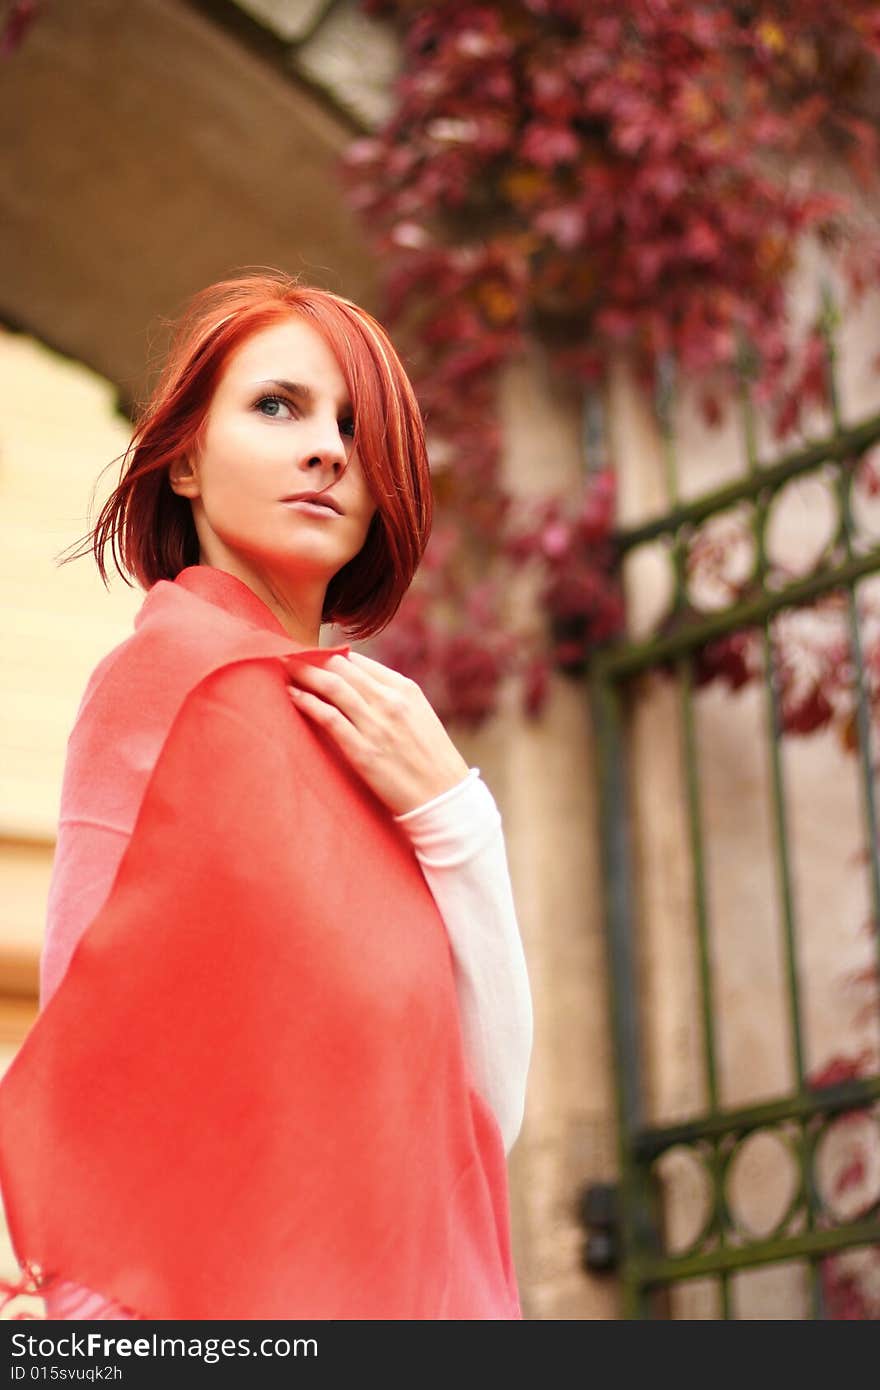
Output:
x,y
183,478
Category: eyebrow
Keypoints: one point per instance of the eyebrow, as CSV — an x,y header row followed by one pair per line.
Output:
x,y
296,388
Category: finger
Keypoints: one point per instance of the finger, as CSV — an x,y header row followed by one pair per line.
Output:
x,y
335,687
386,674
330,718
364,675
345,736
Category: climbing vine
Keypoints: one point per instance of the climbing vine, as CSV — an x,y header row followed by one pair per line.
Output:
x,y
608,178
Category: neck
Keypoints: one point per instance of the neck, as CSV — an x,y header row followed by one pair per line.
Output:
x,y
297,606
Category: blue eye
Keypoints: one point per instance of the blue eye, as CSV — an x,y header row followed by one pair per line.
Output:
x,y
346,426
274,400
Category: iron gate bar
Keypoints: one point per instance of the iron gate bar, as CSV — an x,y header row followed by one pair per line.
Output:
x,y
716,1136
685,670
780,822
863,721
827,1103
654,1273
665,400
636,1224
775,730
849,442
613,663
783,863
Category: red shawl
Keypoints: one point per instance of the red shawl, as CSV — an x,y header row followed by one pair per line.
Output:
x,y
248,1097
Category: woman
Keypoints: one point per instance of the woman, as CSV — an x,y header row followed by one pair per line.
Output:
x,y
285,1020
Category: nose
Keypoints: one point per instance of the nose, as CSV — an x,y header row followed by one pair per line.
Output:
x,y
325,450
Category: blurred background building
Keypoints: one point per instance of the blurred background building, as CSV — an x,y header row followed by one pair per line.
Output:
x,y
697,894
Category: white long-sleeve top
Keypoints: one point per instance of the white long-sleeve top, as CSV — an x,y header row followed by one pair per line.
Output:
x,y
458,841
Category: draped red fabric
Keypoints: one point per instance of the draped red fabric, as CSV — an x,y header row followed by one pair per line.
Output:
x,y
248,1097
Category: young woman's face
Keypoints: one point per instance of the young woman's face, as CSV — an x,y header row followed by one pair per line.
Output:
x,y
279,424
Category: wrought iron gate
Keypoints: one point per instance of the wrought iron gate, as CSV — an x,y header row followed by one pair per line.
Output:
x,y
809,1231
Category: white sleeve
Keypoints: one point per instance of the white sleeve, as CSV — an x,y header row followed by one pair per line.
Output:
x,y
457,838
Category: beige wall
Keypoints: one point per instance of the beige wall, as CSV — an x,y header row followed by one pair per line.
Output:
x,y
58,428
542,775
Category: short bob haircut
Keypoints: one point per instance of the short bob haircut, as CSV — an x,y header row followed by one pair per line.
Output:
x,y
150,529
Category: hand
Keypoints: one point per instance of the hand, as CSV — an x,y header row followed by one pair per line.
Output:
x,y
385,726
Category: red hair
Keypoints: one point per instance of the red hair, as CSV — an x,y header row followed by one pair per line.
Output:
x,y
150,529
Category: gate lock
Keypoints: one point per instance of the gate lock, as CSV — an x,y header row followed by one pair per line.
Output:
x,y
599,1214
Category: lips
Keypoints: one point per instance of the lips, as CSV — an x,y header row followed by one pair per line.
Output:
x,y
321,499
